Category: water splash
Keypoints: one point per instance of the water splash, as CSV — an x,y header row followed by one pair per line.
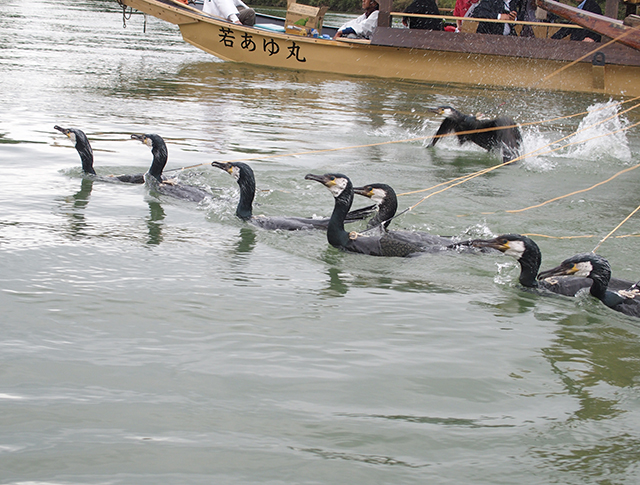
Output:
x,y
535,147
590,140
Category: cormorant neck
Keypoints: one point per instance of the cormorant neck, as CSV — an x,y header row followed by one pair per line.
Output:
x,y
529,266
387,210
599,286
159,161
86,155
336,235
247,184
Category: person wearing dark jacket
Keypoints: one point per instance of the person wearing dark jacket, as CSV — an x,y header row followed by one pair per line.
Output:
x,y
581,34
495,9
428,7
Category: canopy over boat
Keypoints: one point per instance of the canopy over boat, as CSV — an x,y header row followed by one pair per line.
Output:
x,y
419,55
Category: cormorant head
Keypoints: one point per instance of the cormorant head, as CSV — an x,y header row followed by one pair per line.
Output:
x,y
76,136
513,245
239,170
587,265
447,112
519,247
386,202
376,192
335,182
149,140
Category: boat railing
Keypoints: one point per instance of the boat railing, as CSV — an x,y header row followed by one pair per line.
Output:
x,y
540,30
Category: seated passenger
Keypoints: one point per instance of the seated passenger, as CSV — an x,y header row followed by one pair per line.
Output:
x,y
527,12
581,34
428,7
463,8
363,26
495,9
232,10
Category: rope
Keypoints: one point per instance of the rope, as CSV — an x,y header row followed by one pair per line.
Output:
x,y
615,229
466,178
576,192
406,140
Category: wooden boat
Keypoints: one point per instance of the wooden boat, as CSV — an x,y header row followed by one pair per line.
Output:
x,y
417,55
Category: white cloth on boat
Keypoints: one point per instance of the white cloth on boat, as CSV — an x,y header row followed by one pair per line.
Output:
x,y
223,8
363,26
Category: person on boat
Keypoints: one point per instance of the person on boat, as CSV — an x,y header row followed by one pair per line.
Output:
x,y
583,35
232,10
463,8
428,7
495,9
361,27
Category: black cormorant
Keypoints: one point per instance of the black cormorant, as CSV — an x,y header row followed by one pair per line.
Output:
x,y
153,178
81,142
386,203
386,244
508,140
527,253
597,269
243,174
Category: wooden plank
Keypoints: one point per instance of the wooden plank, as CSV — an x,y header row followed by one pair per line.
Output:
x,y
501,45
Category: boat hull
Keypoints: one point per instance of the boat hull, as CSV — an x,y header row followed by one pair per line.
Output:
x,y
238,43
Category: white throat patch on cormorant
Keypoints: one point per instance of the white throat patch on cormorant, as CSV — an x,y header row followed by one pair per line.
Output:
x,y
393,243
528,254
484,133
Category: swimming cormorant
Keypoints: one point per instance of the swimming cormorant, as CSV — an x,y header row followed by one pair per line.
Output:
x,y
508,140
386,202
597,269
81,142
243,174
386,244
153,178
527,252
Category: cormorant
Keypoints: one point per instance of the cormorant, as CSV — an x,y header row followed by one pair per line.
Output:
x,y
154,179
508,140
597,269
387,244
243,174
81,142
386,203
527,252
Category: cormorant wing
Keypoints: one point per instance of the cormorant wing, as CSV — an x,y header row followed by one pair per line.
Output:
x,y
447,126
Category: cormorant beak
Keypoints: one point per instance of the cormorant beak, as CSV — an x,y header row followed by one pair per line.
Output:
x,y
363,191
562,270
438,111
226,166
323,179
144,139
497,243
64,131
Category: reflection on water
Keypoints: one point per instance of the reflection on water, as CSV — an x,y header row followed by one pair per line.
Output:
x,y
246,240
154,223
589,358
78,225
208,350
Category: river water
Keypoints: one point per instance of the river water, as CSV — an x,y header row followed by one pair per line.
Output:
x,y
147,340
